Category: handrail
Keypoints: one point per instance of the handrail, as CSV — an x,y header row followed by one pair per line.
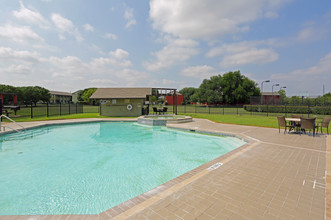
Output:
x,y
11,121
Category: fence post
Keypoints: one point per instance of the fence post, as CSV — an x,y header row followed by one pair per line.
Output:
x,y
285,111
76,107
69,108
60,109
237,109
0,111
100,108
267,110
195,108
31,113
308,110
47,110
223,108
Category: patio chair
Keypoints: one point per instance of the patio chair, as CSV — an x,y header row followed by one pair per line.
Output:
x,y
164,110
155,110
282,123
324,124
308,124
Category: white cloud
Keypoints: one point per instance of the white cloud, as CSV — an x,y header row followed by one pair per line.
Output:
x,y
65,26
110,36
69,66
312,31
116,59
321,68
62,73
119,54
18,34
254,56
308,79
208,19
88,27
176,51
18,56
30,16
129,17
201,72
245,52
97,49
17,69
103,82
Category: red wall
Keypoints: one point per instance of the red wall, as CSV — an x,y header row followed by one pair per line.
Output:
x,y
170,99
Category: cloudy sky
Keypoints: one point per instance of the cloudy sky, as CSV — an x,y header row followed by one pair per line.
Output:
x,y
67,45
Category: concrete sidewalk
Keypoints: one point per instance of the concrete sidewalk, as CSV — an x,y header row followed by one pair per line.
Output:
x,y
274,176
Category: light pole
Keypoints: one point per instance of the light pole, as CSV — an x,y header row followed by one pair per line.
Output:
x,y
272,89
266,81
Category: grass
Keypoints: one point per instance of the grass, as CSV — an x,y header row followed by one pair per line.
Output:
x,y
73,116
260,121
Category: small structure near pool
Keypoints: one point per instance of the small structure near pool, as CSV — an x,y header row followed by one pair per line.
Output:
x,y
128,102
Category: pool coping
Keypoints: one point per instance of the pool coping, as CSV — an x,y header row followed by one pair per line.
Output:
x,y
131,207
122,209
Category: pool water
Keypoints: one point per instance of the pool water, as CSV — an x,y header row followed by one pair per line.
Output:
x,y
91,167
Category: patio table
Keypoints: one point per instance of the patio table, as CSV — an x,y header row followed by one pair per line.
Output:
x,y
296,122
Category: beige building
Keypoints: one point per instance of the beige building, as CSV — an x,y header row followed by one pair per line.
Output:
x,y
60,97
122,101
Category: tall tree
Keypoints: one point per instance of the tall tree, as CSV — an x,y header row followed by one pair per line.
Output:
x,y
231,88
188,92
84,95
210,90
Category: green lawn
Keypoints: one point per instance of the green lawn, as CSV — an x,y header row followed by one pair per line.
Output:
x,y
260,121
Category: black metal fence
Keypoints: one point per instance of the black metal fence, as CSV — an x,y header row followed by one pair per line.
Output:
x,y
46,110
261,110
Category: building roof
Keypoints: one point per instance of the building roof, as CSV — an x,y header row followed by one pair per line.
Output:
x,y
270,93
60,93
121,93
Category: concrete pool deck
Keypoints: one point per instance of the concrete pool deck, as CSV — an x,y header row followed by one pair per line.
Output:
x,y
273,176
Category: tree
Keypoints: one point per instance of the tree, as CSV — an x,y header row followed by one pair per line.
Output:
x,y
210,90
27,94
188,92
84,95
33,94
231,88
238,88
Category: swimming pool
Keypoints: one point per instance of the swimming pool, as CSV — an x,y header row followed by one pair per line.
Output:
x,y
91,167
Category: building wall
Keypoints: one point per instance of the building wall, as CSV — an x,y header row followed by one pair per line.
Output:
x,y
118,107
60,99
170,99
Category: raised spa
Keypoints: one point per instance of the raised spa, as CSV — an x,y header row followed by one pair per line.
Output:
x,y
162,120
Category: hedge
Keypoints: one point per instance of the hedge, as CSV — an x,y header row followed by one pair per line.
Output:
x,y
319,110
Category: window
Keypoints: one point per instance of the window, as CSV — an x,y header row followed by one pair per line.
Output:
x,y
113,101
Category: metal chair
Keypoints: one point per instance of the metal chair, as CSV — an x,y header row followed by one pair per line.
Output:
x,y
165,109
155,110
308,124
282,123
324,124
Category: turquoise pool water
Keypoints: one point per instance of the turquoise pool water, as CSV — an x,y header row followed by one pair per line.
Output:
x,y
91,167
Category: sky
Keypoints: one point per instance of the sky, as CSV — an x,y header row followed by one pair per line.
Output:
x,y
68,45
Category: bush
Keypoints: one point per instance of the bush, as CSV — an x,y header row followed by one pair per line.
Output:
x,y
319,110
